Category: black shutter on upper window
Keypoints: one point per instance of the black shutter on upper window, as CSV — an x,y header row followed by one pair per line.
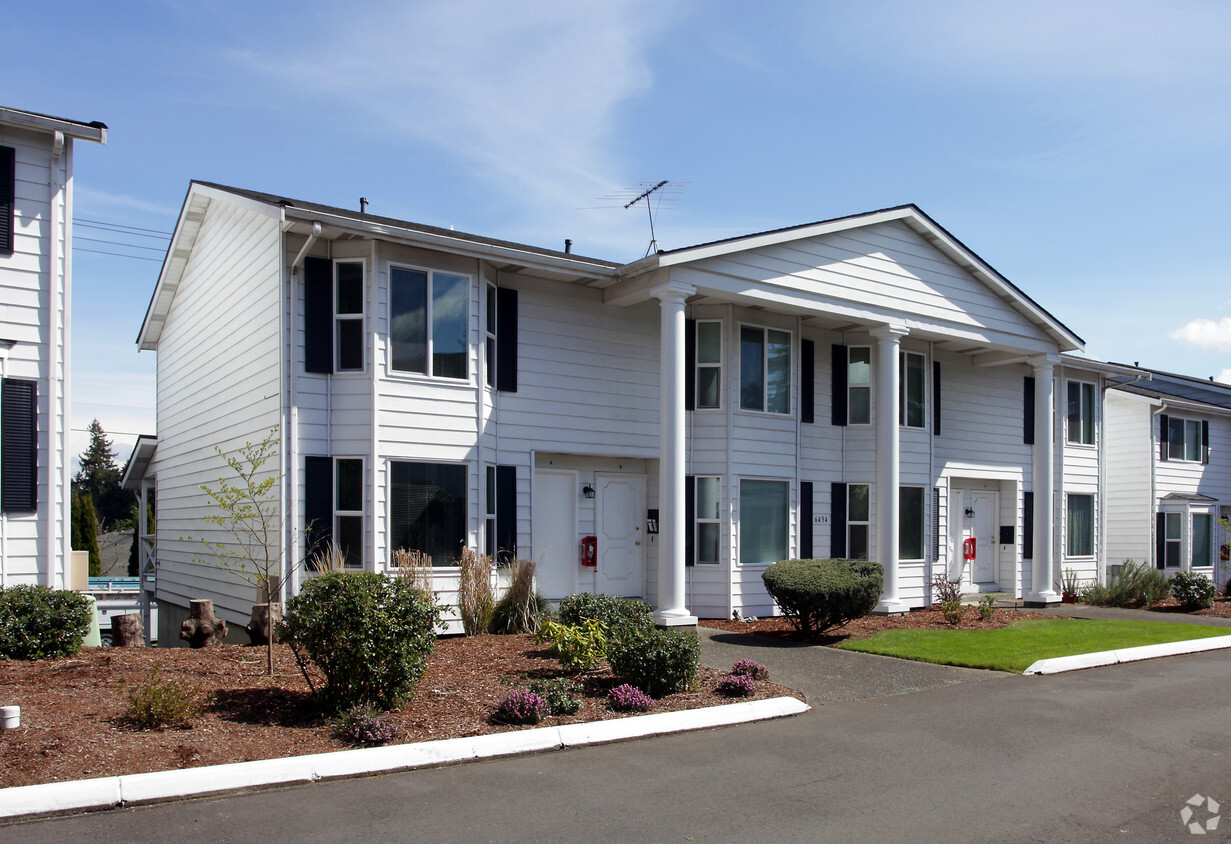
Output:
x,y
506,339
807,381
1028,526
1205,441
805,520
318,501
690,364
18,446
839,384
936,398
506,514
318,315
1160,540
1028,410
8,196
1163,421
837,520
690,520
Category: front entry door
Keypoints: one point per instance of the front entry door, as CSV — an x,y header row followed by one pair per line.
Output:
x,y
620,534
983,528
554,526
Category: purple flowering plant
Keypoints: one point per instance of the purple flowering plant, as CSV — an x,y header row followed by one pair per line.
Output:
x,y
751,669
521,707
628,698
365,724
736,685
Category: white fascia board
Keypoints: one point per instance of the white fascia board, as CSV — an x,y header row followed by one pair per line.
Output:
x,y
1172,402
1102,367
46,123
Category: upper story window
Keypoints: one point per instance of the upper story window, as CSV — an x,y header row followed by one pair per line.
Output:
x,y
1081,413
1183,439
709,364
859,385
348,299
489,344
911,401
428,322
764,369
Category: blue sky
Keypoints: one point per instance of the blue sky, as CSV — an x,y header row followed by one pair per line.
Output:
x,y
1081,148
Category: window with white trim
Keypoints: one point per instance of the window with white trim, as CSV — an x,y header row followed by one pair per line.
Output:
x,y
709,364
1080,523
764,519
427,509
1173,541
858,520
764,369
911,396
489,532
428,322
708,520
1081,413
489,343
1183,439
910,523
1203,540
859,385
348,299
348,509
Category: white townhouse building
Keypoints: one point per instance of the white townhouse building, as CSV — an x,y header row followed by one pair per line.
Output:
x,y
862,387
36,238
1169,472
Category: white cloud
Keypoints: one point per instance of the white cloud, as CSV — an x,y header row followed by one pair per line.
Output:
x,y
88,199
1223,377
1206,334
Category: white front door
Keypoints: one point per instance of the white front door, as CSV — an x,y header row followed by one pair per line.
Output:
x,y
554,527
982,528
620,534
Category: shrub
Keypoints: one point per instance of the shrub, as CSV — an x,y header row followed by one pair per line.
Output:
x,y
41,623
521,608
369,635
1134,585
365,724
944,589
618,615
816,595
662,662
521,707
1193,591
560,693
755,670
474,592
156,703
987,607
953,611
628,698
736,685
578,647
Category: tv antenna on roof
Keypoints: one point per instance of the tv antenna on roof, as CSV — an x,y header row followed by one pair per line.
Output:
x,y
654,195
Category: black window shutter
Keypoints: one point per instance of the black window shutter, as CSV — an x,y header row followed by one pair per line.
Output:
x,y
318,501
690,364
506,339
1163,421
805,520
1028,410
839,385
690,520
837,520
1205,441
807,381
18,446
1160,540
318,315
936,398
506,514
1028,526
8,196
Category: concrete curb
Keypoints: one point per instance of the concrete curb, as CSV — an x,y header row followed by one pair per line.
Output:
x,y
32,801
1060,664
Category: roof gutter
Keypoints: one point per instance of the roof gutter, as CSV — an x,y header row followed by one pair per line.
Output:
x,y
307,244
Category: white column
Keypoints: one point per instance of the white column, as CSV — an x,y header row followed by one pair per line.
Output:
x,y
670,611
888,467
1042,573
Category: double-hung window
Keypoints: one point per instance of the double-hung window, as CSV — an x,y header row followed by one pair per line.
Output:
x,y
911,401
1183,439
1172,541
348,509
858,520
427,509
709,364
1080,538
489,508
764,369
489,347
1081,413
764,514
709,520
910,523
859,385
428,322
348,300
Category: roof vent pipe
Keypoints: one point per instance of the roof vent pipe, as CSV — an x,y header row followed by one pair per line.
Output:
x,y
363,205
568,246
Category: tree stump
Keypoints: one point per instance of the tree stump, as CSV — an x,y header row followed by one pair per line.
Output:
x,y
127,631
203,629
264,618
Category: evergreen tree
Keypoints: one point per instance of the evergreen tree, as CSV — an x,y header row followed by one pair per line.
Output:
x,y
99,477
85,531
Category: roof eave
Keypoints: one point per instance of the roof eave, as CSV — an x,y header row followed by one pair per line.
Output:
x,y
94,131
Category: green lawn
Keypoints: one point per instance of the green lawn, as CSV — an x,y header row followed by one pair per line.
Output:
x,y
1016,647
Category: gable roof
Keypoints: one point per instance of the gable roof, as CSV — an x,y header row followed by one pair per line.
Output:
x,y
94,131
1168,385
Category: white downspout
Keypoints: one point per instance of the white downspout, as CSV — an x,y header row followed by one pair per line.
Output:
x,y
1155,446
57,321
377,361
292,434
5,345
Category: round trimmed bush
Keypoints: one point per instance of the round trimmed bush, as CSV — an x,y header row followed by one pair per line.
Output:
x,y
662,662
369,635
617,615
816,595
41,623
1193,591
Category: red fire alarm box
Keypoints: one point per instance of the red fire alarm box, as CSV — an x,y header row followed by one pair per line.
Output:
x,y
589,551
968,548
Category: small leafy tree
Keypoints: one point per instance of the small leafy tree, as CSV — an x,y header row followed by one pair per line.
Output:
x,y
85,531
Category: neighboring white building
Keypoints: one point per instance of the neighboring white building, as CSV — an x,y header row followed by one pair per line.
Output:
x,y
700,413
36,237
1169,472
